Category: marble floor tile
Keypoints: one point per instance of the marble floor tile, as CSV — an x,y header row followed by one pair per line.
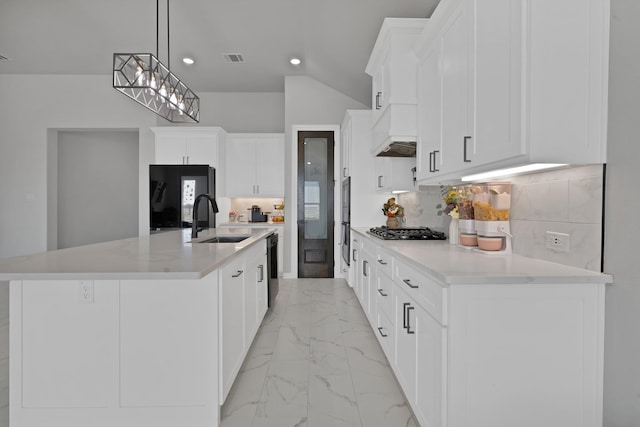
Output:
x,y
280,422
285,393
315,362
384,410
332,401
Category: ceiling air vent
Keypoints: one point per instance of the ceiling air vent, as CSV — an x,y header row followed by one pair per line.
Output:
x,y
233,58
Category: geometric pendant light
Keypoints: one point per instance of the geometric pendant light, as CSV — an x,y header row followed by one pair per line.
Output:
x,y
143,78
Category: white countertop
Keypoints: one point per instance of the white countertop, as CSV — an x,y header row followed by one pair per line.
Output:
x,y
168,255
452,264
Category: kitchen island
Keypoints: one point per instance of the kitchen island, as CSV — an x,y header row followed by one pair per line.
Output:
x,y
147,331
479,340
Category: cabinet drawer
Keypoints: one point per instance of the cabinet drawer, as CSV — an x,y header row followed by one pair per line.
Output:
x,y
424,290
383,261
384,298
385,332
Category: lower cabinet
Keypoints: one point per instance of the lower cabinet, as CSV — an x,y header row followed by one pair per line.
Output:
x,y
243,304
421,341
487,355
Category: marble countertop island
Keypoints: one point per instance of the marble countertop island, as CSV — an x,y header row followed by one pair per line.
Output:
x,y
169,255
453,264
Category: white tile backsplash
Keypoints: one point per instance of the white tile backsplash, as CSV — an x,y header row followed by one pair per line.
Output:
x,y
565,200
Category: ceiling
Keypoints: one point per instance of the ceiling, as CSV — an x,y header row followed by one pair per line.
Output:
x,y
333,38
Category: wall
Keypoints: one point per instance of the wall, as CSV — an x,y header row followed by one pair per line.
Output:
x,y
309,105
239,112
97,186
565,201
622,344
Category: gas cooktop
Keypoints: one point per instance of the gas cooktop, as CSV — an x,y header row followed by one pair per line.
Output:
x,y
418,233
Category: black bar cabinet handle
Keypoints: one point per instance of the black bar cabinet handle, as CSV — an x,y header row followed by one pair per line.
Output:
x,y
261,269
238,273
381,261
409,331
404,315
382,293
381,334
364,268
464,149
354,254
408,283
378,98
431,154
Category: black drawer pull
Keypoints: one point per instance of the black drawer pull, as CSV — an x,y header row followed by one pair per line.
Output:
x,y
409,331
382,262
382,293
238,273
381,334
408,283
364,267
404,315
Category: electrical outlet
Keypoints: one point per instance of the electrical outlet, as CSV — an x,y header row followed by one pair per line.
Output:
x,y
85,292
557,241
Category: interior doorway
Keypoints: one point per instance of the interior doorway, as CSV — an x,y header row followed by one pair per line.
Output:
x,y
315,194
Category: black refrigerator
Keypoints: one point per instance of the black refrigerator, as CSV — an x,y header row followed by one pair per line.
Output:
x,y
172,191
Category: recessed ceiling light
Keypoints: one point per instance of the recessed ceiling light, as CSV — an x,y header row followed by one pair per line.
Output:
x,y
188,61
295,61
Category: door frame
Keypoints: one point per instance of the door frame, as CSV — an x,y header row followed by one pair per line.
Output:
x,y
292,212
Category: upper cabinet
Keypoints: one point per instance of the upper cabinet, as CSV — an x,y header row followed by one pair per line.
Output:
x,y
189,145
507,82
255,165
392,66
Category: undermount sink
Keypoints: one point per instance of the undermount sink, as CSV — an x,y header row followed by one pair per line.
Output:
x,y
235,238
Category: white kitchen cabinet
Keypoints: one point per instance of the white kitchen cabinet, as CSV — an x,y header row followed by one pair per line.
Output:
x,y
508,92
255,293
394,174
243,303
368,270
458,350
189,145
366,203
392,66
255,165
346,137
231,323
385,314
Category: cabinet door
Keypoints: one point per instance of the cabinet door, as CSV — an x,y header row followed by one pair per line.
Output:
x,y
368,271
255,294
240,167
269,152
497,79
231,323
455,42
345,160
405,312
394,174
377,95
171,150
429,114
430,339
202,150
